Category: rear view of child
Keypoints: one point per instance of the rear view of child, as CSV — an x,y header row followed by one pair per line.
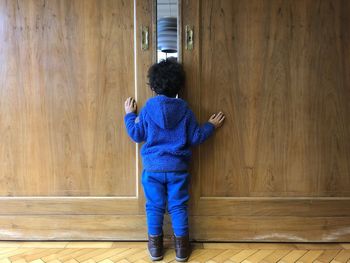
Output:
x,y
169,128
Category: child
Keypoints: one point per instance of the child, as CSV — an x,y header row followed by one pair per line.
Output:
x,y
169,128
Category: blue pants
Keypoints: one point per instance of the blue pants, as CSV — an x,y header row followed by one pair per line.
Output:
x,y
169,188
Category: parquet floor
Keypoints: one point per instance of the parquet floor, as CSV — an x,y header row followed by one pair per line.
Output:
x,y
108,252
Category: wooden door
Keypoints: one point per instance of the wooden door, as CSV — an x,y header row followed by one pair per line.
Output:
x,y
279,168
68,169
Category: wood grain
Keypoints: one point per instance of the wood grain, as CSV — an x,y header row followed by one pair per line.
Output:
x,y
208,206
213,228
279,70
277,171
66,69
108,252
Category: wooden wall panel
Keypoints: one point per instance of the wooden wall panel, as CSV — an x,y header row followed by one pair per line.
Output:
x,y
114,227
279,70
278,169
66,68
68,170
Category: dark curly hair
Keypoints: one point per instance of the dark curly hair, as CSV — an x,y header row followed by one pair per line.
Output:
x,y
166,77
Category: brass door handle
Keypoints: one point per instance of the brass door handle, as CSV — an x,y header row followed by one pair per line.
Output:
x,y
189,37
144,38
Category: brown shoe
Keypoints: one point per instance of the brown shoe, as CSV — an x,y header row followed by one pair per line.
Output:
x,y
155,247
182,248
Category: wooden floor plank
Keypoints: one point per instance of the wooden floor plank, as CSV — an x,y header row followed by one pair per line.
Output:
x,y
195,253
73,255
326,256
59,254
342,256
4,244
258,256
43,253
242,246
109,253
122,261
89,244
318,246
207,255
125,254
139,255
345,245
310,256
169,256
293,256
106,261
239,257
72,260
129,244
14,252
22,252
225,255
30,251
277,246
91,252
53,261
7,249
37,261
47,244
275,256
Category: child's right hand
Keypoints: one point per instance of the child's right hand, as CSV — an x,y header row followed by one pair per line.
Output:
x,y
217,119
130,105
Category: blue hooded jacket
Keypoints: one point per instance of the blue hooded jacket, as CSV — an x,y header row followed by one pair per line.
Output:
x,y
169,128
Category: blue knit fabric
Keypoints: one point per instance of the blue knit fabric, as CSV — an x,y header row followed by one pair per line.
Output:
x,y
169,129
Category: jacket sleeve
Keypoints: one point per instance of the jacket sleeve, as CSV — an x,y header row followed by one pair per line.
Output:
x,y
197,134
136,126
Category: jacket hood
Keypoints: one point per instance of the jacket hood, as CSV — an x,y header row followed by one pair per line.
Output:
x,y
166,112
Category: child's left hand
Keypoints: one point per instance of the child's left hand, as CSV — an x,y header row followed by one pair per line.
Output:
x,y
130,105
